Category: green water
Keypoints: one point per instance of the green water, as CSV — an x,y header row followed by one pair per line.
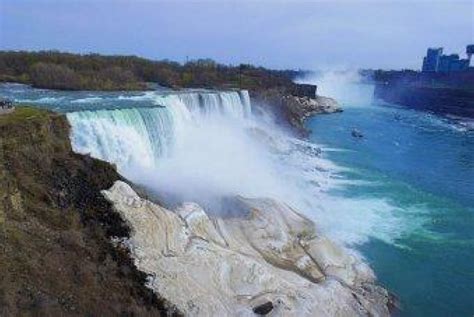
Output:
x,y
423,166
409,184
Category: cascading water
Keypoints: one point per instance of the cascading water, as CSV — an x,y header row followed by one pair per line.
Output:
x,y
205,146
202,146
141,136
137,136
395,204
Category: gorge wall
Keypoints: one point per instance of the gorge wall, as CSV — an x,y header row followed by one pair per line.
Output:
x,y
292,107
439,100
55,228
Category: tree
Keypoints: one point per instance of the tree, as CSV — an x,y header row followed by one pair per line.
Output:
x,y
47,75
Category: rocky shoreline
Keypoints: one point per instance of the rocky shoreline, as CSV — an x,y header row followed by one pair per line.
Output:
x,y
267,260
292,110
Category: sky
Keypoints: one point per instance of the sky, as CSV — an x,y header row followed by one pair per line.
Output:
x,y
323,35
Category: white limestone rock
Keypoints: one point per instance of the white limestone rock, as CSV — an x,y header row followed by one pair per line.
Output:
x,y
227,266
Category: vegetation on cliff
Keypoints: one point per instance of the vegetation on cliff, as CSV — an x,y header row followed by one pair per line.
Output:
x,y
57,70
56,254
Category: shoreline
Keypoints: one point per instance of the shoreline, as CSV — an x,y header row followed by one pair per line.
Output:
x,y
272,254
293,110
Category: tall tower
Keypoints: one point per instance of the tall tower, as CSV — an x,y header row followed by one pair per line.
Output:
x,y
432,59
470,51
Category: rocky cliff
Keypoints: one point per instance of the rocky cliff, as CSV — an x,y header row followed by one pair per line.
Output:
x,y
291,109
56,255
263,258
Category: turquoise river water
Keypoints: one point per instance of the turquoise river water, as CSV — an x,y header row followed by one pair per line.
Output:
x,y
402,196
424,166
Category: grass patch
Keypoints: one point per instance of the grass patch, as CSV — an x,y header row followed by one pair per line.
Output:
x,y
23,113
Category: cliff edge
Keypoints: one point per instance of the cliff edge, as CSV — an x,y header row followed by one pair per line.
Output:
x,y
56,254
293,109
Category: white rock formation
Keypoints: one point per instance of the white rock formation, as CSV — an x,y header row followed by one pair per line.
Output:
x,y
230,266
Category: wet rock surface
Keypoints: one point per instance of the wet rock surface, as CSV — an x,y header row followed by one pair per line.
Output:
x,y
264,259
292,110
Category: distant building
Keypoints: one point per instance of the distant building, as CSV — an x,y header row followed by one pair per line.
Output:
x,y
432,59
436,61
470,51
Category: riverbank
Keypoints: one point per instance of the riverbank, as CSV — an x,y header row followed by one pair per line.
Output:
x,y
439,100
56,229
267,259
291,109
441,93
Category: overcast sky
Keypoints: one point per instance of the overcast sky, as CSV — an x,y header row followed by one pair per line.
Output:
x,y
279,34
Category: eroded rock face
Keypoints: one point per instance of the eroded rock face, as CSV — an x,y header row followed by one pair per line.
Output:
x,y
270,261
303,107
294,109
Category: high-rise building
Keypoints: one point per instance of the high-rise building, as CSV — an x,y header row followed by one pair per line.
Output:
x,y
446,62
431,61
436,61
470,51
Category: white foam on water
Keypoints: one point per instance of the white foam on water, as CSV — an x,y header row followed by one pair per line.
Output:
x,y
203,146
88,100
42,100
344,86
145,96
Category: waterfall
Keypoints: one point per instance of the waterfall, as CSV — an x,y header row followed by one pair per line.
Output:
x,y
205,146
142,136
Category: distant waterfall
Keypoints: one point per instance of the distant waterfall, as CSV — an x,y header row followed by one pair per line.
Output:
x,y
141,136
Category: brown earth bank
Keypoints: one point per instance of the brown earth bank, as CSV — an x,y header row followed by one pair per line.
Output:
x,y
56,255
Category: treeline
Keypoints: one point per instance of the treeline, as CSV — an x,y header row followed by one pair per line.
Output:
x,y
57,70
